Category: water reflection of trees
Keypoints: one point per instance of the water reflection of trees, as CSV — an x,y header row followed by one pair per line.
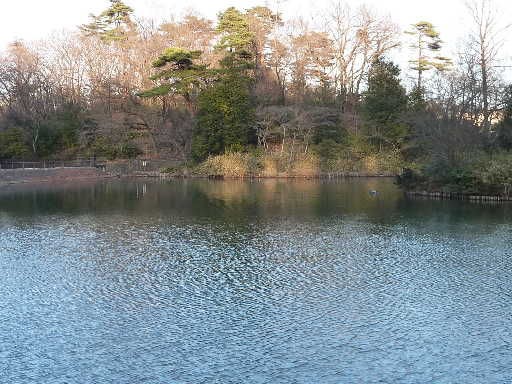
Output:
x,y
232,235
302,198
239,203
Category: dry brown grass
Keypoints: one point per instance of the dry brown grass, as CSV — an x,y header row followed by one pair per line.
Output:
x,y
228,165
306,165
303,165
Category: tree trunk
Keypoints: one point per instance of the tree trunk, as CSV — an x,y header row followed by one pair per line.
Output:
x,y
486,124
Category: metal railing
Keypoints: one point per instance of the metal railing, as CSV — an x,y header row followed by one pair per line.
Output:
x,y
42,164
141,165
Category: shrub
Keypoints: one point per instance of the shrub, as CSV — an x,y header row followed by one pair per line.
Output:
x,y
103,148
306,165
12,144
128,151
495,174
169,170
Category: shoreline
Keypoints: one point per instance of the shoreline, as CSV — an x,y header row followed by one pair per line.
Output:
x,y
63,175
458,196
19,176
261,177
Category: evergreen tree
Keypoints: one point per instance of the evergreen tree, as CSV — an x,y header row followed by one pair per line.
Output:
x,y
416,100
226,109
225,118
426,43
384,103
178,74
112,24
234,31
235,43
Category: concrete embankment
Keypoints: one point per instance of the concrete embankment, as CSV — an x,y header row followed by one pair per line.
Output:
x,y
48,175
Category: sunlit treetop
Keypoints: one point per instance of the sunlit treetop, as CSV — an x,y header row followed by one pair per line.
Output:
x,y
426,42
234,30
112,24
178,74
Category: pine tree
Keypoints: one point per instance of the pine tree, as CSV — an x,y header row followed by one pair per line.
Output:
x,y
234,31
178,75
226,109
426,43
112,24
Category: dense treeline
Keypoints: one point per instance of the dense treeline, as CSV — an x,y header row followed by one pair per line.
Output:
x,y
272,96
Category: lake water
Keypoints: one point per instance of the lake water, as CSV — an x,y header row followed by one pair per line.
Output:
x,y
139,281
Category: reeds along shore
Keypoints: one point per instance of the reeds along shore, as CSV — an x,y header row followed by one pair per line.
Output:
x,y
249,165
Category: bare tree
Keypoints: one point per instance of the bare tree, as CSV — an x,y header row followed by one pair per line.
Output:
x,y
486,40
359,37
311,61
28,90
277,59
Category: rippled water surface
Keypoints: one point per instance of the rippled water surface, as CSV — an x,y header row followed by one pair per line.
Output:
x,y
251,282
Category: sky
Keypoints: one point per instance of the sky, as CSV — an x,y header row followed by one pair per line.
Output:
x,y
36,19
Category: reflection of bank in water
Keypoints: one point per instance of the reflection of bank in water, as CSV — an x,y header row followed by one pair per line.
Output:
x,y
228,200
458,196
141,190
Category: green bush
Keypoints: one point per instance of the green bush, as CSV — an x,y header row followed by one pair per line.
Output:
x,y
494,174
483,174
103,148
59,132
169,170
128,151
132,135
13,144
